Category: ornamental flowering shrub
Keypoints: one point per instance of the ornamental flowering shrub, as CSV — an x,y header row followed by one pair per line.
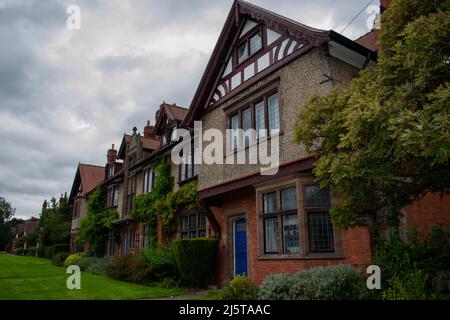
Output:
x,y
240,288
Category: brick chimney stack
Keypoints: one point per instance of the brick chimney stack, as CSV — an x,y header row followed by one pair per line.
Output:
x,y
111,155
148,131
62,200
44,205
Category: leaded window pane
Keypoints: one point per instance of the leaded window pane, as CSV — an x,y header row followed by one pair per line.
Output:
x,y
273,114
290,234
234,133
316,197
242,52
259,120
255,43
270,202
288,199
320,232
246,123
271,235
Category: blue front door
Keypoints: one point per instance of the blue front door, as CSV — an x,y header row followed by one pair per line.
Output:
x,y
240,246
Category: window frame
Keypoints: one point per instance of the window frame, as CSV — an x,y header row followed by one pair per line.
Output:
x,y
188,166
299,181
245,39
252,102
197,229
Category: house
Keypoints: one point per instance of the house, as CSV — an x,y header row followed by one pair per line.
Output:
x,y
21,230
131,172
261,73
87,177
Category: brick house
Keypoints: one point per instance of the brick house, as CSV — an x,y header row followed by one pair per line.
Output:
x,y
261,72
21,230
130,173
87,177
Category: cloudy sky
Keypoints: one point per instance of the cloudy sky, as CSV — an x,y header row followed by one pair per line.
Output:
x,y
66,95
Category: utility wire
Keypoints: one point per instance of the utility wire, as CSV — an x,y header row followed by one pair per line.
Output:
x,y
356,17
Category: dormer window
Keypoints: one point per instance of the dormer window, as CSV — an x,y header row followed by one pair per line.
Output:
x,y
250,45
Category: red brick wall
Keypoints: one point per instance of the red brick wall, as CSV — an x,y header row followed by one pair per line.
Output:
x,y
356,243
429,211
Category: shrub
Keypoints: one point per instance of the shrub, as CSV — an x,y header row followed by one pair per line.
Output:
x,y
409,287
276,287
99,265
19,251
129,268
162,262
240,288
59,258
422,262
339,282
72,259
57,248
31,251
85,262
195,259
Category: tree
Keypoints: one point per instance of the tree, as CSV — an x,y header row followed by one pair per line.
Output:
x,y
384,140
55,222
96,226
6,214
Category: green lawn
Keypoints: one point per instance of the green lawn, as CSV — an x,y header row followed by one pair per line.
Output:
x,y
29,278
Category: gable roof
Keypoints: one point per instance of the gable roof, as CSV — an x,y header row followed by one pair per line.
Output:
x,y
173,111
147,143
240,11
88,176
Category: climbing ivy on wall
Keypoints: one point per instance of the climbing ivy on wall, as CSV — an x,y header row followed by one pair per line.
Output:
x,y
163,203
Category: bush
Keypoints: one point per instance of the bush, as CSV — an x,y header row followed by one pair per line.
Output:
x,y
57,248
162,262
423,262
339,282
99,265
19,251
85,262
72,259
59,258
240,288
276,287
130,268
195,259
31,251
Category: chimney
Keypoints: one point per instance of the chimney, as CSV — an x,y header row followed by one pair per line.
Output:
x,y
148,131
111,155
44,205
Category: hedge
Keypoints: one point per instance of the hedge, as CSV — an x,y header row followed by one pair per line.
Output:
x,y
195,259
57,248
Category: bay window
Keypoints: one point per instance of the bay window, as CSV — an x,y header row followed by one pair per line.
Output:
x,y
294,219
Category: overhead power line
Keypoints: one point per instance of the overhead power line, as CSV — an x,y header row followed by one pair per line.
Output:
x,y
354,18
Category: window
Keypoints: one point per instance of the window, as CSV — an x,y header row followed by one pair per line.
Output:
x,y
148,180
133,238
320,228
111,171
131,192
163,139
282,221
76,210
249,47
187,167
113,196
262,115
193,225
280,209
146,235
255,43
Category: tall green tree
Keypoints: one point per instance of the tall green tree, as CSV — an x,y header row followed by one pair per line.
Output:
x,y
96,226
384,140
55,222
6,215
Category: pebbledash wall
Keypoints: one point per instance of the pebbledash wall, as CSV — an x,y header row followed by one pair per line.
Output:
x,y
298,80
